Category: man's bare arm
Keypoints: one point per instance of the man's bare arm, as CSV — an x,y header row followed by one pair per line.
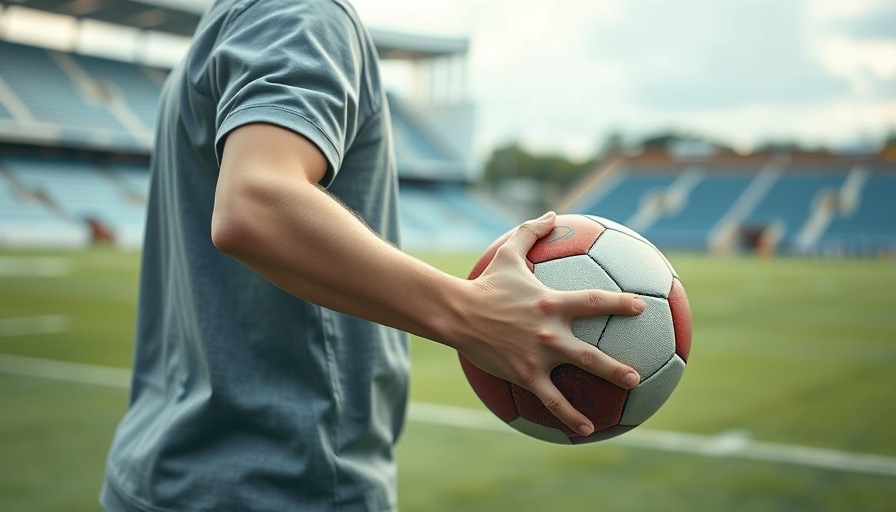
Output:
x,y
271,215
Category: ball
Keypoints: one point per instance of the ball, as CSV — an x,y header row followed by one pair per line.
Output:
x,y
589,252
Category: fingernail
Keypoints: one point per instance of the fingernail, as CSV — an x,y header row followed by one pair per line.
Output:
x,y
631,380
585,430
639,304
545,216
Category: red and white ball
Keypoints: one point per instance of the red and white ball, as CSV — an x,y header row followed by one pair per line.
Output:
x,y
588,252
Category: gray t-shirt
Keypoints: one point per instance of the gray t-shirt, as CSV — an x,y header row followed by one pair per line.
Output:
x,y
245,397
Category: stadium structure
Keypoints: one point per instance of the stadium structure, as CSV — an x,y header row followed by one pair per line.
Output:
x,y
76,132
695,196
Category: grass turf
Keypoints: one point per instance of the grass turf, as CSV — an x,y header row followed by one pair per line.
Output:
x,y
785,350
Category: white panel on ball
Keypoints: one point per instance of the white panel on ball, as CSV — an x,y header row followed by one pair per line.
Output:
x,y
635,265
651,394
620,227
574,273
537,431
646,341
627,230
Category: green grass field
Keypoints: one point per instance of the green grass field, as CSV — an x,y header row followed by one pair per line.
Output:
x,y
787,404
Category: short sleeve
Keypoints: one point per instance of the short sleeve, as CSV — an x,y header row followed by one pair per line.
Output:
x,y
294,64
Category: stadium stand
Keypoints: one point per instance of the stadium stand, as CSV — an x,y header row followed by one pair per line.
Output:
x,y
806,203
76,134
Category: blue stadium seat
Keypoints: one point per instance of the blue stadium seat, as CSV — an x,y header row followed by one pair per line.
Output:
x,y
83,193
621,202
52,98
420,151
28,222
138,90
790,201
442,216
873,224
710,199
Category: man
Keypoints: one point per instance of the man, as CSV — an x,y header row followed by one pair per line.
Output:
x,y
271,364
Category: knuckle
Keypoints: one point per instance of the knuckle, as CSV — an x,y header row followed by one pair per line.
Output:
x,y
587,359
547,338
547,305
527,379
597,299
527,227
554,402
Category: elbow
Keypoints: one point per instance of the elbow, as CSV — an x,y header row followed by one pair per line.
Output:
x,y
226,231
232,229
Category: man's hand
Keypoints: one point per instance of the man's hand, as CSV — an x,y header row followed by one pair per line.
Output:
x,y
525,327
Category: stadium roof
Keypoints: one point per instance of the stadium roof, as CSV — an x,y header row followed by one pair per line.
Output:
x,y
180,17
396,45
170,16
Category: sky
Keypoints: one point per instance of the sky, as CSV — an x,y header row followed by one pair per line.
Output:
x,y
561,75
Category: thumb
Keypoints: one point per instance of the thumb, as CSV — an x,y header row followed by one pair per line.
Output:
x,y
529,232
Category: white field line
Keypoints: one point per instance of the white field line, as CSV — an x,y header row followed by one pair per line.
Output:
x,y
64,371
43,266
729,444
46,324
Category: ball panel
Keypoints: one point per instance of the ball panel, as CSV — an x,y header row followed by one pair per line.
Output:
x,y
610,224
645,342
681,318
574,273
652,393
572,234
601,435
589,328
494,392
636,266
622,228
549,434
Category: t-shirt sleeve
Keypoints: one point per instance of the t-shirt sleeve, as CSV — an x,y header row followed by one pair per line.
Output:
x,y
293,64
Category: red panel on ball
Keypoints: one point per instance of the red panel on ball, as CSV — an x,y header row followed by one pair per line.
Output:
x,y
601,401
494,392
573,235
681,319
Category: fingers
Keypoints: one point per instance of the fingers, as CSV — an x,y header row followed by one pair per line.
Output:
x,y
595,361
600,302
529,232
560,407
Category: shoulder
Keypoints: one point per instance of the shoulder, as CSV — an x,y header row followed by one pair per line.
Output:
x,y
309,13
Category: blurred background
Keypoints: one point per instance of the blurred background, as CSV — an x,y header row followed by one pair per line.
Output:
x,y
753,141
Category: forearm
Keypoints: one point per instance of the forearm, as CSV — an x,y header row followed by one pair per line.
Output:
x,y
302,240
270,214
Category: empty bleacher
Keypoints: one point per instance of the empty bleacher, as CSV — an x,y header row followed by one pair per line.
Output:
x,y
706,202
871,223
26,221
82,103
444,216
79,193
621,201
823,204
132,83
